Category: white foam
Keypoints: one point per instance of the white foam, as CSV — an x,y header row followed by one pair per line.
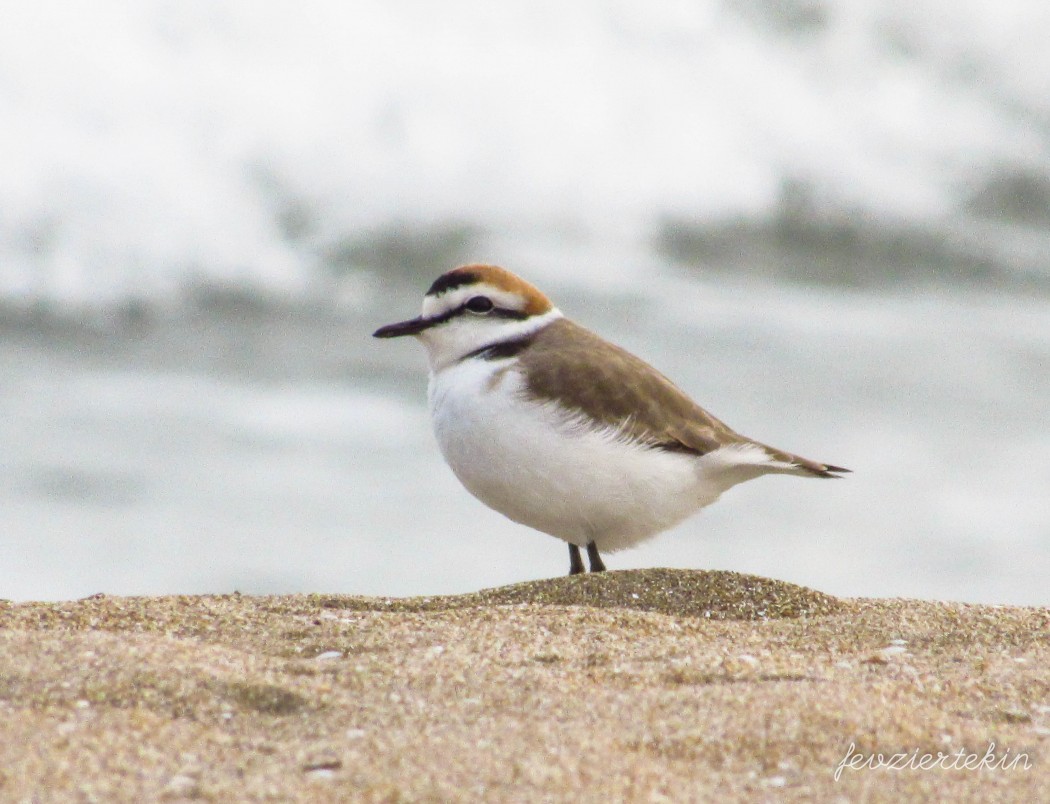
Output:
x,y
149,145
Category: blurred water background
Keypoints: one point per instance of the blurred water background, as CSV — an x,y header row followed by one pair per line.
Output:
x,y
828,221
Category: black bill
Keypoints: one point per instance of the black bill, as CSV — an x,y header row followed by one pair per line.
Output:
x,y
411,327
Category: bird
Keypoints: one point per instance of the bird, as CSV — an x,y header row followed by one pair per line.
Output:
x,y
556,428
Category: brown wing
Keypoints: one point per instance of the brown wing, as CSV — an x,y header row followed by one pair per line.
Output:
x,y
588,374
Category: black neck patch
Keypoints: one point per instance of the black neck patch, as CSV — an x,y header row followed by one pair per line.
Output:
x,y
501,350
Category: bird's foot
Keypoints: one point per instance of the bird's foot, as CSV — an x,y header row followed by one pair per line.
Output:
x,y
575,561
597,565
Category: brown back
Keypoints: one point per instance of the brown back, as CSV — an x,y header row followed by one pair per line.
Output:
x,y
586,373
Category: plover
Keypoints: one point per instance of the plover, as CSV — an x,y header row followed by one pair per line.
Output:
x,y
558,429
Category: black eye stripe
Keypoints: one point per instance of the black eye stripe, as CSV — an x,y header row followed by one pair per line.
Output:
x,y
502,312
495,312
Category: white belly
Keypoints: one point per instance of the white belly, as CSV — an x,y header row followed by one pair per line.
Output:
x,y
543,469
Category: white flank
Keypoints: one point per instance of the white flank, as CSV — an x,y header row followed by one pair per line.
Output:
x,y
546,468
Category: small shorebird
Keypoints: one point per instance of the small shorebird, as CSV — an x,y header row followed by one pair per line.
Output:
x,y
560,430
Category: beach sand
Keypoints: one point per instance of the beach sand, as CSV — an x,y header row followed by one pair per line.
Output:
x,y
646,685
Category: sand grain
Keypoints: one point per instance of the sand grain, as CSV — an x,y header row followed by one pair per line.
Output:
x,y
642,685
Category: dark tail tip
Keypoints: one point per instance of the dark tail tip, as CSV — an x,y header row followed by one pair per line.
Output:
x,y
834,471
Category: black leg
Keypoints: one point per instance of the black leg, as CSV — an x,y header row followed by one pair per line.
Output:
x,y
597,565
575,562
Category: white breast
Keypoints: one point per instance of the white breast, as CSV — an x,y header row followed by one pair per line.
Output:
x,y
557,473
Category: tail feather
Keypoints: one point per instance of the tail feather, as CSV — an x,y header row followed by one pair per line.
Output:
x,y
815,469
835,470
752,458
796,464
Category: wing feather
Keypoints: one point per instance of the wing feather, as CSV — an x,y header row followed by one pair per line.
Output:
x,y
588,375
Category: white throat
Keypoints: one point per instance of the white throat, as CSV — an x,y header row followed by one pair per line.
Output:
x,y
448,343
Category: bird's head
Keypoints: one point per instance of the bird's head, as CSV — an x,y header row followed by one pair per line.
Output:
x,y
471,307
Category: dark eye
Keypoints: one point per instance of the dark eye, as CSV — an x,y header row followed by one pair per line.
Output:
x,y
479,304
